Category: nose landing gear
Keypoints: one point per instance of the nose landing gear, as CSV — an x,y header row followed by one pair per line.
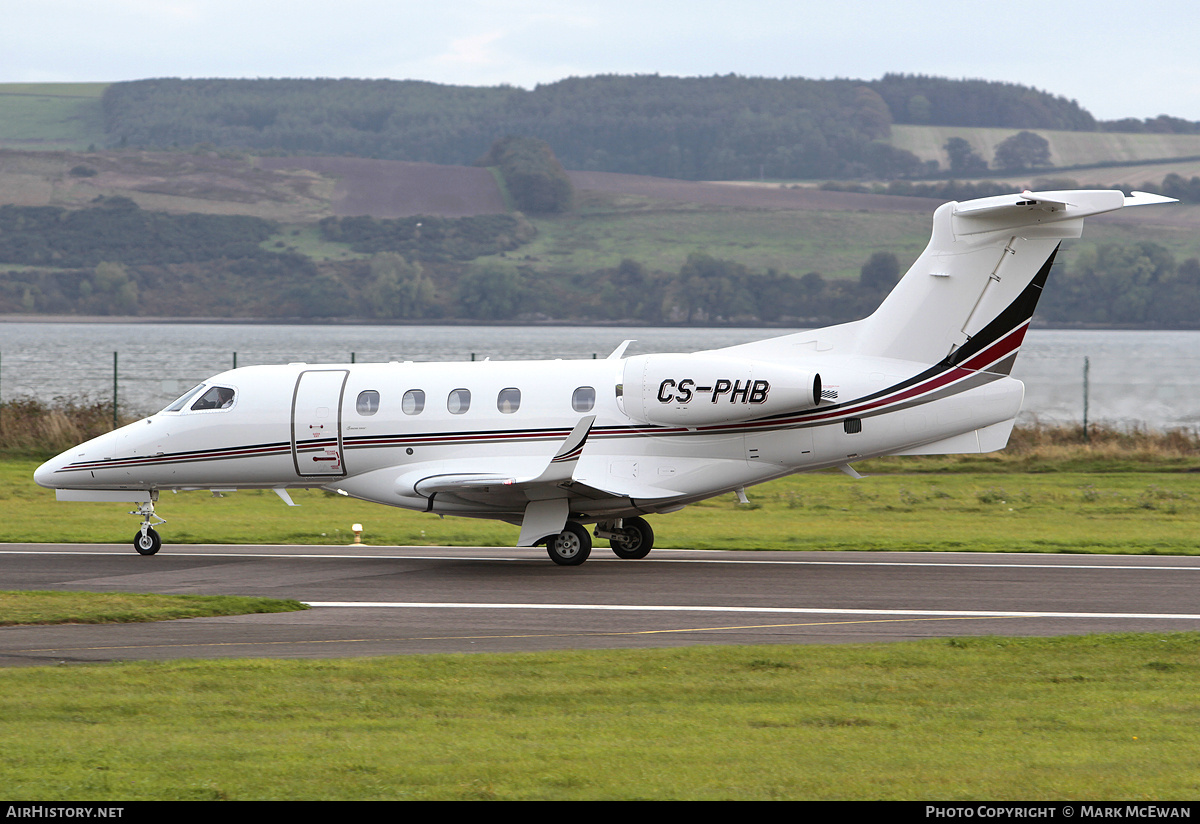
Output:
x,y
147,540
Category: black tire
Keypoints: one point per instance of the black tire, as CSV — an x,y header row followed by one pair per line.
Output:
x,y
636,542
571,547
147,544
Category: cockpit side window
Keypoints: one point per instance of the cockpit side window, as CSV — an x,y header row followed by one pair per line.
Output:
x,y
182,400
217,397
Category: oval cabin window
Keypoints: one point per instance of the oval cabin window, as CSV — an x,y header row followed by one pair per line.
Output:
x,y
509,400
459,401
367,403
583,399
413,402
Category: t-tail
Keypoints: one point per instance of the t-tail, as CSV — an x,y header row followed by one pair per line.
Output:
x,y
936,356
969,297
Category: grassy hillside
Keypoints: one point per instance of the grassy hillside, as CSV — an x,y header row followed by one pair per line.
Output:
x,y
661,234
51,115
1066,148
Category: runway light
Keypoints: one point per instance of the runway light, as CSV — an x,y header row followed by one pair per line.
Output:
x,y
357,530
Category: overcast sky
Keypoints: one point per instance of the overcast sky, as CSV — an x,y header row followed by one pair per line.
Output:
x,y
1117,59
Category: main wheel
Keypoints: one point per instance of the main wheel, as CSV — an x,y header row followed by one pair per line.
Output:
x,y
571,547
636,541
147,544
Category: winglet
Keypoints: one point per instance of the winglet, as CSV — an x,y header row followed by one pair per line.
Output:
x,y
619,351
562,465
573,445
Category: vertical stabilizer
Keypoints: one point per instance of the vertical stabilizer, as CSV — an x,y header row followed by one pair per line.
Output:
x,y
977,283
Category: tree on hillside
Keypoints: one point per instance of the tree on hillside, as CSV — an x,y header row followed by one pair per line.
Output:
x,y
963,159
1112,283
490,292
880,273
398,289
113,291
1024,150
535,179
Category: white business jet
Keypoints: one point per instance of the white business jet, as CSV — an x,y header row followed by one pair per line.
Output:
x,y
554,445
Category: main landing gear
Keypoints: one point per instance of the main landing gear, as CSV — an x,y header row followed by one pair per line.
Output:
x,y
147,541
631,538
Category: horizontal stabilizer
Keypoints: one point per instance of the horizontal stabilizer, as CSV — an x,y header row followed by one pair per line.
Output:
x,y
978,441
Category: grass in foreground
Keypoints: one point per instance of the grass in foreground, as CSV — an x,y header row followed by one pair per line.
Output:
x,y
1099,717
122,607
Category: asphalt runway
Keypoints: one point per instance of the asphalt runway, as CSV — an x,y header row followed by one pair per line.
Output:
x,y
406,600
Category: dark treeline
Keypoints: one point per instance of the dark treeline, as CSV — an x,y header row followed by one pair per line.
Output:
x,y
141,263
1138,285
430,238
919,99
115,229
693,128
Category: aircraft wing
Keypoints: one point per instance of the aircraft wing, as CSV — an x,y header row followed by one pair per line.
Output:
x,y
545,497
556,478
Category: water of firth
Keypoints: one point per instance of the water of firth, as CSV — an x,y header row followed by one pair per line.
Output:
x,y
1135,378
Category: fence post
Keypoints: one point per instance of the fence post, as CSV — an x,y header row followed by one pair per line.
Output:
x,y
1086,366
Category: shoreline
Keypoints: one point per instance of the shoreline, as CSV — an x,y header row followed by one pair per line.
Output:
x,y
113,320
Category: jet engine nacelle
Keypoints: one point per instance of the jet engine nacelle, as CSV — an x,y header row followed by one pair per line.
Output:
x,y
700,389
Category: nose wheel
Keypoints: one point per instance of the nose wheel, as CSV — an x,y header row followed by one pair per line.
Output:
x,y
147,540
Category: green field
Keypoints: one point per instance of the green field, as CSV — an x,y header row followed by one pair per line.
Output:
x,y
60,116
1066,148
660,236
833,243
1072,718
1091,718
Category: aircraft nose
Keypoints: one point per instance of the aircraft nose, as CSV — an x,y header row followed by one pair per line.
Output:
x,y
44,474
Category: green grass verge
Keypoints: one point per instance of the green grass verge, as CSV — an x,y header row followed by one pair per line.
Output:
x,y
988,508
35,607
1074,718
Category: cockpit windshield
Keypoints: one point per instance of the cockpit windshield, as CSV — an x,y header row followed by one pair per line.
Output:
x,y
203,397
182,400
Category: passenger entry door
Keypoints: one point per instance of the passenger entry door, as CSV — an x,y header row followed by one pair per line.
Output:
x,y
317,423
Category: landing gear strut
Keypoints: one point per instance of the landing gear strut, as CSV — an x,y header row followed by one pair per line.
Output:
x,y
147,541
630,538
